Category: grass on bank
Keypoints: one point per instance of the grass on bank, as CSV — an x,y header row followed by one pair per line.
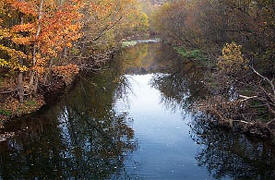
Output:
x,y
192,54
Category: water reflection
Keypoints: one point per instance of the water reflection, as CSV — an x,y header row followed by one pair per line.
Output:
x,y
148,59
89,134
74,145
81,136
228,154
182,86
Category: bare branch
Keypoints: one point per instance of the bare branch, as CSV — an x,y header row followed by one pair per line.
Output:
x,y
264,78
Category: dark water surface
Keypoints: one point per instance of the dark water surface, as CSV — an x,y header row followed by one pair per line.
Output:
x,y
132,121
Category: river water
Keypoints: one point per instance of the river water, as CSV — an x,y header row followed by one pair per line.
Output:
x,y
134,120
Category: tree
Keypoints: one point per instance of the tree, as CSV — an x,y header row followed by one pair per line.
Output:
x,y
33,34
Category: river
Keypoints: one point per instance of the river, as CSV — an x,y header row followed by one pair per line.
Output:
x,y
134,120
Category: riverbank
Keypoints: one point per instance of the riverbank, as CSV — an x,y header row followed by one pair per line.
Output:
x,y
233,41
227,114
11,108
231,103
43,48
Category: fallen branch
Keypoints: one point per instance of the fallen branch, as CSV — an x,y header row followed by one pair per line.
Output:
x,y
246,98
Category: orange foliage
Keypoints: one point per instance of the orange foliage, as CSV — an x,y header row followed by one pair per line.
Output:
x,y
60,28
25,7
66,72
27,27
37,35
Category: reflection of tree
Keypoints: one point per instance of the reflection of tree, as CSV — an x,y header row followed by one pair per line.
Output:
x,y
182,87
144,59
133,58
229,154
82,136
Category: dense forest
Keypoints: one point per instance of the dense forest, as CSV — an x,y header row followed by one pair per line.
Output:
x,y
234,41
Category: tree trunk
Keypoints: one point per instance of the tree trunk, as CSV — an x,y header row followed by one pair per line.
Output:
x,y
36,84
20,87
47,74
65,52
36,47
